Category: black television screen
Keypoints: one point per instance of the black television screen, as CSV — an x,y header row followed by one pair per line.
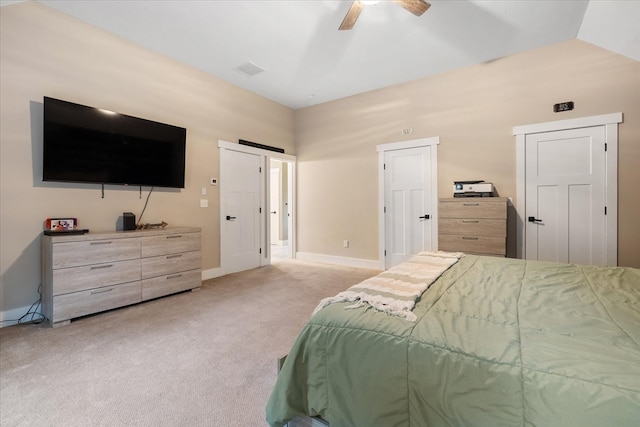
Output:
x,y
86,144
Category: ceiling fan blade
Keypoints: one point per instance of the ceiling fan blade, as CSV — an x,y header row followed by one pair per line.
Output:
x,y
352,15
417,7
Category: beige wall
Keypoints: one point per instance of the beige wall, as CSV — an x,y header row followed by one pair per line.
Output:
x,y
45,53
473,110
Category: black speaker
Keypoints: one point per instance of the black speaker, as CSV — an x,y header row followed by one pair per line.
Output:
x,y
128,221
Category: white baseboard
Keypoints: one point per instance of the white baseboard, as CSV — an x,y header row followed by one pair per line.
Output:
x,y
212,273
331,259
10,317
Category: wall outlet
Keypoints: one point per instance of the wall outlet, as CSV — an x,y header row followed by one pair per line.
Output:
x,y
204,203
345,244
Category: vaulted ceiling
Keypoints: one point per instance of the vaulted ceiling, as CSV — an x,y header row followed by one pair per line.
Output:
x,y
292,52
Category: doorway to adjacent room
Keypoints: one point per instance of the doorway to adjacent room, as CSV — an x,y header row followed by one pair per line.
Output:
x,y
280,219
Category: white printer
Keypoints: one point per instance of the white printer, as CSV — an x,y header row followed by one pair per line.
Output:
x,y
472,189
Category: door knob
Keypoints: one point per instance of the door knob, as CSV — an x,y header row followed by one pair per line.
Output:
x,y
230,218
534,219
273,212
424,217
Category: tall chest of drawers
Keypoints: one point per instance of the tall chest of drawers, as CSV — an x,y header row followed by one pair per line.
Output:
x,y
86,274
473,225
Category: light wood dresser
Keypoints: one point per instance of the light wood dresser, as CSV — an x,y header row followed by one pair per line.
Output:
x,y
475,225
93,272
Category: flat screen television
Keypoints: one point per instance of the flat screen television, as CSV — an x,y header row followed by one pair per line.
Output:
x,y
89,145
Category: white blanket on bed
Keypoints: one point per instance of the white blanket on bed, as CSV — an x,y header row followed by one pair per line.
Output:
x,y
396,290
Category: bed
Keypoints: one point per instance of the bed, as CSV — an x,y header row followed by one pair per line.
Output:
x,y
495,342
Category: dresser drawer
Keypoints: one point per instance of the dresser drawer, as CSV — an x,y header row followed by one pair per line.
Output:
x,y
472,244
72,254
169,284
473,227
78,304
73,279
170,244
473,208
167,264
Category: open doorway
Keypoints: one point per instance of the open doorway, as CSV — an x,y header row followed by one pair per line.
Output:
x,y
280,192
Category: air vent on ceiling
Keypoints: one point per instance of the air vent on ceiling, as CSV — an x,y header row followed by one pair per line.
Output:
x,y
250,69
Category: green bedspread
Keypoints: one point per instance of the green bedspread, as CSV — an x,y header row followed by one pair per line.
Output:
x,y
497,342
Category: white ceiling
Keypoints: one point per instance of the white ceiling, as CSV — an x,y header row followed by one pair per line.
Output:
x,y
308,61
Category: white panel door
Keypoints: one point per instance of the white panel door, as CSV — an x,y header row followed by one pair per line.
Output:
x,y
241,211
565,196
408,203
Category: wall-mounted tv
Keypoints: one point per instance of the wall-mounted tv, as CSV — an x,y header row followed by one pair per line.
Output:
x,y
90,145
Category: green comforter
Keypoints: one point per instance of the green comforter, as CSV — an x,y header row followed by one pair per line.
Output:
x,y
498,342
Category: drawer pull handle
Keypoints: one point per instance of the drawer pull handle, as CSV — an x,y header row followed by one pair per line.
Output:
x,y
175,276
471,221
471,204
177,236
174,256
104,291
469,238
101,243
97,267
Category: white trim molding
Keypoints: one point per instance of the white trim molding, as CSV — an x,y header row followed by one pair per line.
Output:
x,y
337,260
212,273
12,316
580,122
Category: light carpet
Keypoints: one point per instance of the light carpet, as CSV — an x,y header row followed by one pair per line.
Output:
x,y
204,358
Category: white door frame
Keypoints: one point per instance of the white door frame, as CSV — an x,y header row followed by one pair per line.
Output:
x,y
414,143
610,121
275,177
265,235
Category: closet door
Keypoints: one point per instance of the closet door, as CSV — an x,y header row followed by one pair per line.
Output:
x,y
565,196
408,206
